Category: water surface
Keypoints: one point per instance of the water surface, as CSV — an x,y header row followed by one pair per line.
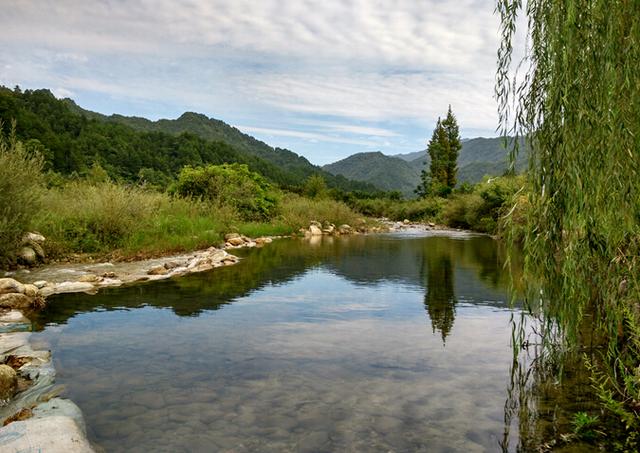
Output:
x,y
366,343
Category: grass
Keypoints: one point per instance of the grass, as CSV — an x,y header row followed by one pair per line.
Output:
x,y
126,222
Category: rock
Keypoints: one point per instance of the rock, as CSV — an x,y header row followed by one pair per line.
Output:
x,y
262,241
8,382
231,236
315,230
344,229
27,255
30,290
9,285
89,278
157,270
406,221
33,237
170,265
47,290
38,249
217,256
15,300
109,275
329,229
236,241
48,434
318,224
40,284
432,225
72,287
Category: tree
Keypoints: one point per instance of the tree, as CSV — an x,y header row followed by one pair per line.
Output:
x,y
443,149
579,104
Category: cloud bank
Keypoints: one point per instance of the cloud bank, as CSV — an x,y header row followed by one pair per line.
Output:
x,y
324,78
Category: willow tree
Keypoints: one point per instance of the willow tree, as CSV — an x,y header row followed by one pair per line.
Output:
x,y
578,102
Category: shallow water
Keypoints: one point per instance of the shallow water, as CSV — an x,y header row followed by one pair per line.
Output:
x,y
367,343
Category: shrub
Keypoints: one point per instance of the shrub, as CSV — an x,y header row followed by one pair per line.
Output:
x,y
21,180
229,184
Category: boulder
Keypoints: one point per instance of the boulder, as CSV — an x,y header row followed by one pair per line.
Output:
x,y
9,285
72,287
30,290
15,300
344,229
231,236
315,230
262,241
48,434
89,278
27,255
318,224
8,382
38,249
33,238
236,241
171,265
217,256
40,284
432,225
329,229
406,221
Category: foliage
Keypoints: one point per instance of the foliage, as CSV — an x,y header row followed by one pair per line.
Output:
x,y
584,424
443,149
73,139
296,212
20,189
579,103
229,184
315,187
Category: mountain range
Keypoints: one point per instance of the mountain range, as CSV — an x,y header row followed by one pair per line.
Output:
x,y
131,148
478,157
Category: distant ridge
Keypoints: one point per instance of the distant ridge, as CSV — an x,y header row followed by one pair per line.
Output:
x,y
478,157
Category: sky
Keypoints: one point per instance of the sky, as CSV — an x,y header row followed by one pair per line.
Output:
x,y
324,78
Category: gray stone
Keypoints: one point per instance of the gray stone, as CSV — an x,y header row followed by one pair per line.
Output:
x,y
58,434
8,382
33,237
72,287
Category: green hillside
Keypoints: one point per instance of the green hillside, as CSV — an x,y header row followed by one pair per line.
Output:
x,y
131,149
386,173
479,157
216,130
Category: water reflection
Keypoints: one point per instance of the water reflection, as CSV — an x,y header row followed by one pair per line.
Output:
x,y
298,348
439,299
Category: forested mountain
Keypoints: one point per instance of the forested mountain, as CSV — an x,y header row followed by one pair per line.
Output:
x,y
478,157
385,172
216,130
73,139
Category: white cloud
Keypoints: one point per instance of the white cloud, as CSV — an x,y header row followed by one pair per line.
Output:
x,y
326,70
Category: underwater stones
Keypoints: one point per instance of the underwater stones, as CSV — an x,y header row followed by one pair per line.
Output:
x,y
8,382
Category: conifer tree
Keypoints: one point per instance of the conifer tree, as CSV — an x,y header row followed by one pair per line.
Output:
x,y
443,149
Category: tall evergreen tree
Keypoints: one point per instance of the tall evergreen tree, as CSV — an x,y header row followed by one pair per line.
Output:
x,y
443,149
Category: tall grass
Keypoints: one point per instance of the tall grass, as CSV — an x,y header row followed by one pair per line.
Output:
x,y
20,190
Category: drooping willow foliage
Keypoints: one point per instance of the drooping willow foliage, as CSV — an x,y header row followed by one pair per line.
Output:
x,y
578,103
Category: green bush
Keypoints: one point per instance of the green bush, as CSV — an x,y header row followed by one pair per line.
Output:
x,y
21,181
229,185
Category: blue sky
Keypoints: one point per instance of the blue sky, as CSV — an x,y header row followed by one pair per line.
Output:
x,y
325,79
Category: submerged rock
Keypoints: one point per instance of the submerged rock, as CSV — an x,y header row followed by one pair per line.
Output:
x,y
8,382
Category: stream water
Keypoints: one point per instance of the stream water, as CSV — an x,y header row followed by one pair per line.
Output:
x,y
395,342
